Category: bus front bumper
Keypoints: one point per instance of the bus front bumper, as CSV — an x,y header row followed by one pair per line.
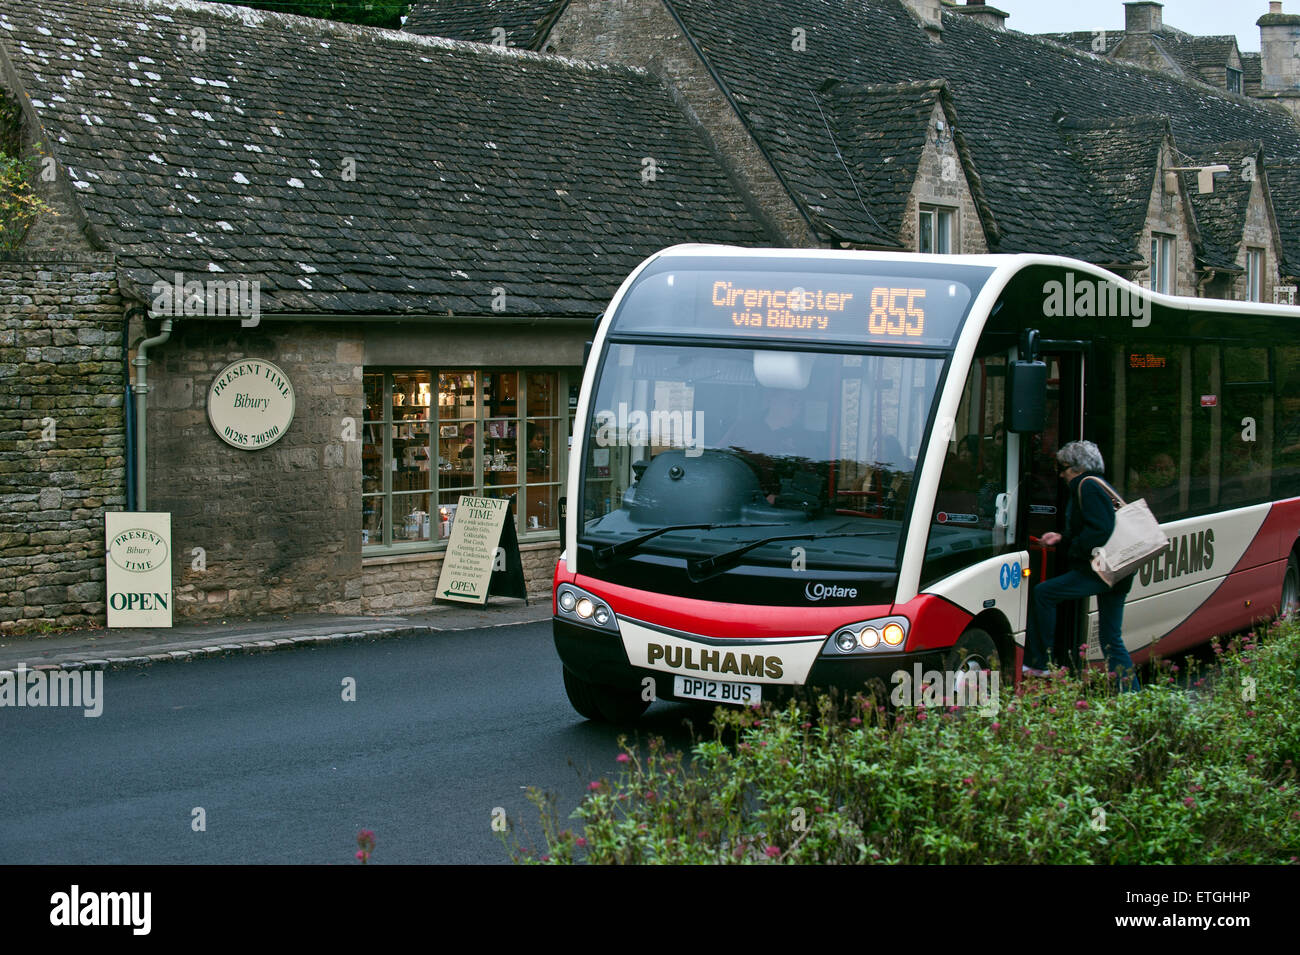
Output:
x,y
598,656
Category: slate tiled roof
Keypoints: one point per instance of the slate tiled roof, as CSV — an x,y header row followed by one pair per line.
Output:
x,y
525,22
1284,186
880,132
474,168
1122,158
1010,93
1100,42
1221,214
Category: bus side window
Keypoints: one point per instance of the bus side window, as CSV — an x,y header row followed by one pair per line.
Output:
x,y
1286,409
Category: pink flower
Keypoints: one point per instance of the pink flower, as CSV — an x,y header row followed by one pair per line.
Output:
x,y
968,781
772,852
593,786
361,855
854,721
1189,801
581,842
621,758
921,715
996,727
1080,704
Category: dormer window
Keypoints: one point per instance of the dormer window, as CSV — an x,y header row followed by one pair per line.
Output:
x,y
1234,80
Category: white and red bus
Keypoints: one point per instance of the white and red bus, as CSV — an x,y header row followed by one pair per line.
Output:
x,y
806,467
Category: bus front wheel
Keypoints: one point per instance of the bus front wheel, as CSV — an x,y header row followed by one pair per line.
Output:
x,y
603,703
974,652
1290,604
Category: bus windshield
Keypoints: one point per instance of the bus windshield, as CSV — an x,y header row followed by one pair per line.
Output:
x,y
696,450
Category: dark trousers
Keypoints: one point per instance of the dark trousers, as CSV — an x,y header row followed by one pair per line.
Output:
x,y
1074,585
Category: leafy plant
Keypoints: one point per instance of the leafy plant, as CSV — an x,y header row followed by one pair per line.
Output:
x,y
20,205
1191,770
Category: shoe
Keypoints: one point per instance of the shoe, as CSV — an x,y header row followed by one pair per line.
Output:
x,y
1026,671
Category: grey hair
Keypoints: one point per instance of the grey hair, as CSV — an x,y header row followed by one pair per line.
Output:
x,y
1082,456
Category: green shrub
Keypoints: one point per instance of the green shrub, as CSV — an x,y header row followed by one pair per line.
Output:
x,y
1191,770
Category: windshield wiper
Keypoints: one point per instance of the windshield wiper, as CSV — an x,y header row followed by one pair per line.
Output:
x,y
611,553
702,568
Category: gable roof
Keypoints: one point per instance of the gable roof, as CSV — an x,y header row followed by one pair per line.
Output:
x,y
1284,187
1122,158
1010,92
358,170
1221,214
1193,55
526,22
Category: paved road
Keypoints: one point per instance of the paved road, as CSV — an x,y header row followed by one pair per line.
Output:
x,y
444,728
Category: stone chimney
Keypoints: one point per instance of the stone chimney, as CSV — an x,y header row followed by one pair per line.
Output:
x,y
930,13
1144,16
983,13
1279,38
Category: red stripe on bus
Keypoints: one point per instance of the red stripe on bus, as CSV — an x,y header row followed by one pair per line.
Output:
x,y
936,622
727,620
1249,592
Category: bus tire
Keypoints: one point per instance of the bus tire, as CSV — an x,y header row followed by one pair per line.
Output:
x,y
1289,605
975,650
603,704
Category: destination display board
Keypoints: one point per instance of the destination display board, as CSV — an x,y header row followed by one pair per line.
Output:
x,y
798,306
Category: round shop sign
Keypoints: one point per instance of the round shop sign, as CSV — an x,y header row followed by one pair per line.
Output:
x,y
138,550
250,404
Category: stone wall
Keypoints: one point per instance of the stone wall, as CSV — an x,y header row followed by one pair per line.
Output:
x,y
280,528
1167,214
62,436
407,582
941,181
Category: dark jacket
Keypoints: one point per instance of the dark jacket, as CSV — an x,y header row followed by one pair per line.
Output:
x,y
1088,526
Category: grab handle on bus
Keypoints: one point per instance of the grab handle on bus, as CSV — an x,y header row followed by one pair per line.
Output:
x,y
1044,548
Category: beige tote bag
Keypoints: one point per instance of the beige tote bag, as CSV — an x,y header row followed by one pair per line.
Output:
x,y
1136,537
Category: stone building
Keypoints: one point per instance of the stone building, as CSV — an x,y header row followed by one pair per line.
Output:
x,y
426,223
425,231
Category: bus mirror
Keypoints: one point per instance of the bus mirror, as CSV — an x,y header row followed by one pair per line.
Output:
x,y
1027,397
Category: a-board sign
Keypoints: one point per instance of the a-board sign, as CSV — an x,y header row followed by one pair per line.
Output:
x,y
482,541
138,568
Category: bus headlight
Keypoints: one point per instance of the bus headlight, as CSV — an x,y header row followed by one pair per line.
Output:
x,y
884,634
578,606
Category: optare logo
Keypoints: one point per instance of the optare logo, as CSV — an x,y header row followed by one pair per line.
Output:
x,y
827,591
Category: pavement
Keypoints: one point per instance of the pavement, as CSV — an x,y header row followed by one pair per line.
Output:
x,y
113,649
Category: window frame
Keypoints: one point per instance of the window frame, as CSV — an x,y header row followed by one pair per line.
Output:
x,y
1164,261
1235,80
938,216
1254,274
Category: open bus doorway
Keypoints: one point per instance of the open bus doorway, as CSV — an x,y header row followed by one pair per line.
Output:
x,y
1046,497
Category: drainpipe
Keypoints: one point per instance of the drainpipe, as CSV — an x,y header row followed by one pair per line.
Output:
x,y
141,389
128,406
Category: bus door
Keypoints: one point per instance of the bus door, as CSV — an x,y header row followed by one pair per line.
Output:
x,y
1044,494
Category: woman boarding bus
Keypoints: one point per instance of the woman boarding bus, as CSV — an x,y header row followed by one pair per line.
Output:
x,y
851,545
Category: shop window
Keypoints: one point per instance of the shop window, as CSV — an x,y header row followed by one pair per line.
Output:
x,y
431,436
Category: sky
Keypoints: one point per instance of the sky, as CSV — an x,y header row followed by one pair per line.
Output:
x,y
1202,17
